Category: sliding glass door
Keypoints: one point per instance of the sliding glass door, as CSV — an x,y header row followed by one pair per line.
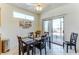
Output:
x,y
55,28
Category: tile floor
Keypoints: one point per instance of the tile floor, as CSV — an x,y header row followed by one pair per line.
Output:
x,y
55,50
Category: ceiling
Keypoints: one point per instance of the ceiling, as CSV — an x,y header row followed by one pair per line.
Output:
x,y
31,6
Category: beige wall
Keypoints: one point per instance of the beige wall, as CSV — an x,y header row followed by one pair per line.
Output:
x,y
9,25
39,21
0,17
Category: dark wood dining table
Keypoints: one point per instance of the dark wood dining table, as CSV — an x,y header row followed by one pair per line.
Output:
x,y
29,42
32,42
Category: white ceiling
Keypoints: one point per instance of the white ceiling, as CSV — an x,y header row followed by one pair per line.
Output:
x,y
31,6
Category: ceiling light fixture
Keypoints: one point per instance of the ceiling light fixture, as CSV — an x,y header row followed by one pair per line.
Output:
x,y
39,7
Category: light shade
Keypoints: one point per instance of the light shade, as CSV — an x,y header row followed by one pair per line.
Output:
x,y
39,7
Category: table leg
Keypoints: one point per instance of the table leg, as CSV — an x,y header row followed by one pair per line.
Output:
x,y
19,50
34,50
28,50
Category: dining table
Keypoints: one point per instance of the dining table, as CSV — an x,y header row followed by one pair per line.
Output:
x,y
33,41
30,42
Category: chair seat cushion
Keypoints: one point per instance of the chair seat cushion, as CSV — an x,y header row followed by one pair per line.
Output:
x,y
68,43
25,48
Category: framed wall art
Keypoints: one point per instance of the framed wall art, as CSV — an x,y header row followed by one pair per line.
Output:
x,y
25,24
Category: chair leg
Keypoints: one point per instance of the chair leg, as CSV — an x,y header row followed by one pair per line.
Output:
x,y
45,51
28,50
40,52
63,44
67,48
70,47
75,49
19,52
32,51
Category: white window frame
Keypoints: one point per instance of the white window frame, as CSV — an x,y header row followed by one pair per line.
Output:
x,y
22,16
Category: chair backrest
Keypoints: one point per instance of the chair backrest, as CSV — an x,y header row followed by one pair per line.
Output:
x,y
73,38
22,45
47,33
37,33
19,39
20,42
43,38
31,35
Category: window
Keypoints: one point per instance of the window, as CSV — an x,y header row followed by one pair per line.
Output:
x,y
23,16
46,26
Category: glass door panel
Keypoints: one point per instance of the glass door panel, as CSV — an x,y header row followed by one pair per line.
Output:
x,y
45,26
57,28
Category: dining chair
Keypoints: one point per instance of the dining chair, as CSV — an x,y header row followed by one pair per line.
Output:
x,y
72,42
48,39
41,44
23,47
